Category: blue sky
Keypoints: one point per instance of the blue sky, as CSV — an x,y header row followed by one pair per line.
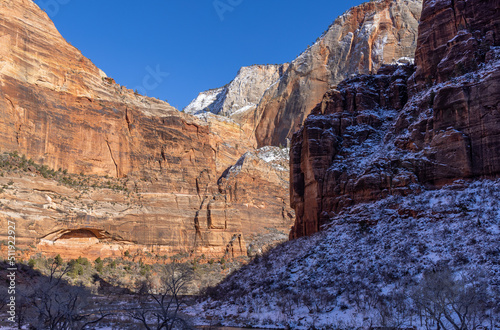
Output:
x,y
193,45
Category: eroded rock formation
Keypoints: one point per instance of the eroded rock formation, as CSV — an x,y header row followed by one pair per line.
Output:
x,y
392,133
60,110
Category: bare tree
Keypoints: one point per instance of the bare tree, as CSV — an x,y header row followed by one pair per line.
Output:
x,y
56,305
395,310
22,307
452,303
160,299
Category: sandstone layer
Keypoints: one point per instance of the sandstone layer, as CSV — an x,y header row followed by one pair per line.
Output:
x,y
60,110
407,128
358,42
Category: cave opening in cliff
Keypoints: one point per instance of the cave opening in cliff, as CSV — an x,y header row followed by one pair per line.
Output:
x,y
79,233
75,242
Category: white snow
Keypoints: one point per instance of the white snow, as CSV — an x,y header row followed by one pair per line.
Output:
x,y
243,109
205,102
275,157
273,154
405,60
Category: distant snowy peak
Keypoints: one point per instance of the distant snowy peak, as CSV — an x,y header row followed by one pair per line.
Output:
x,y
208,101
240,95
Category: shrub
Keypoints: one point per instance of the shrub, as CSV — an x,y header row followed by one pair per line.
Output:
x,y
83,261
58,260
99,265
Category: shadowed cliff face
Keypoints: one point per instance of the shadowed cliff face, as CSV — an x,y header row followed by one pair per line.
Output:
x,y
455,38
406,128
60,110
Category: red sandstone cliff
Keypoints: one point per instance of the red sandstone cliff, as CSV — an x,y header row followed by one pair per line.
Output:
x,y
60,110
407,128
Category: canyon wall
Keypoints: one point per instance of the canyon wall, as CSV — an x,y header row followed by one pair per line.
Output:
x,y
58,109
409,127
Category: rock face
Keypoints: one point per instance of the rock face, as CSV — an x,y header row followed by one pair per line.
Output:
x,y
328,157
240,95
407,127
455,38
239,99
60,110
358,42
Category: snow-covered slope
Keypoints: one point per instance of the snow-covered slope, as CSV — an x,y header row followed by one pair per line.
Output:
x,y
208,101
375,264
